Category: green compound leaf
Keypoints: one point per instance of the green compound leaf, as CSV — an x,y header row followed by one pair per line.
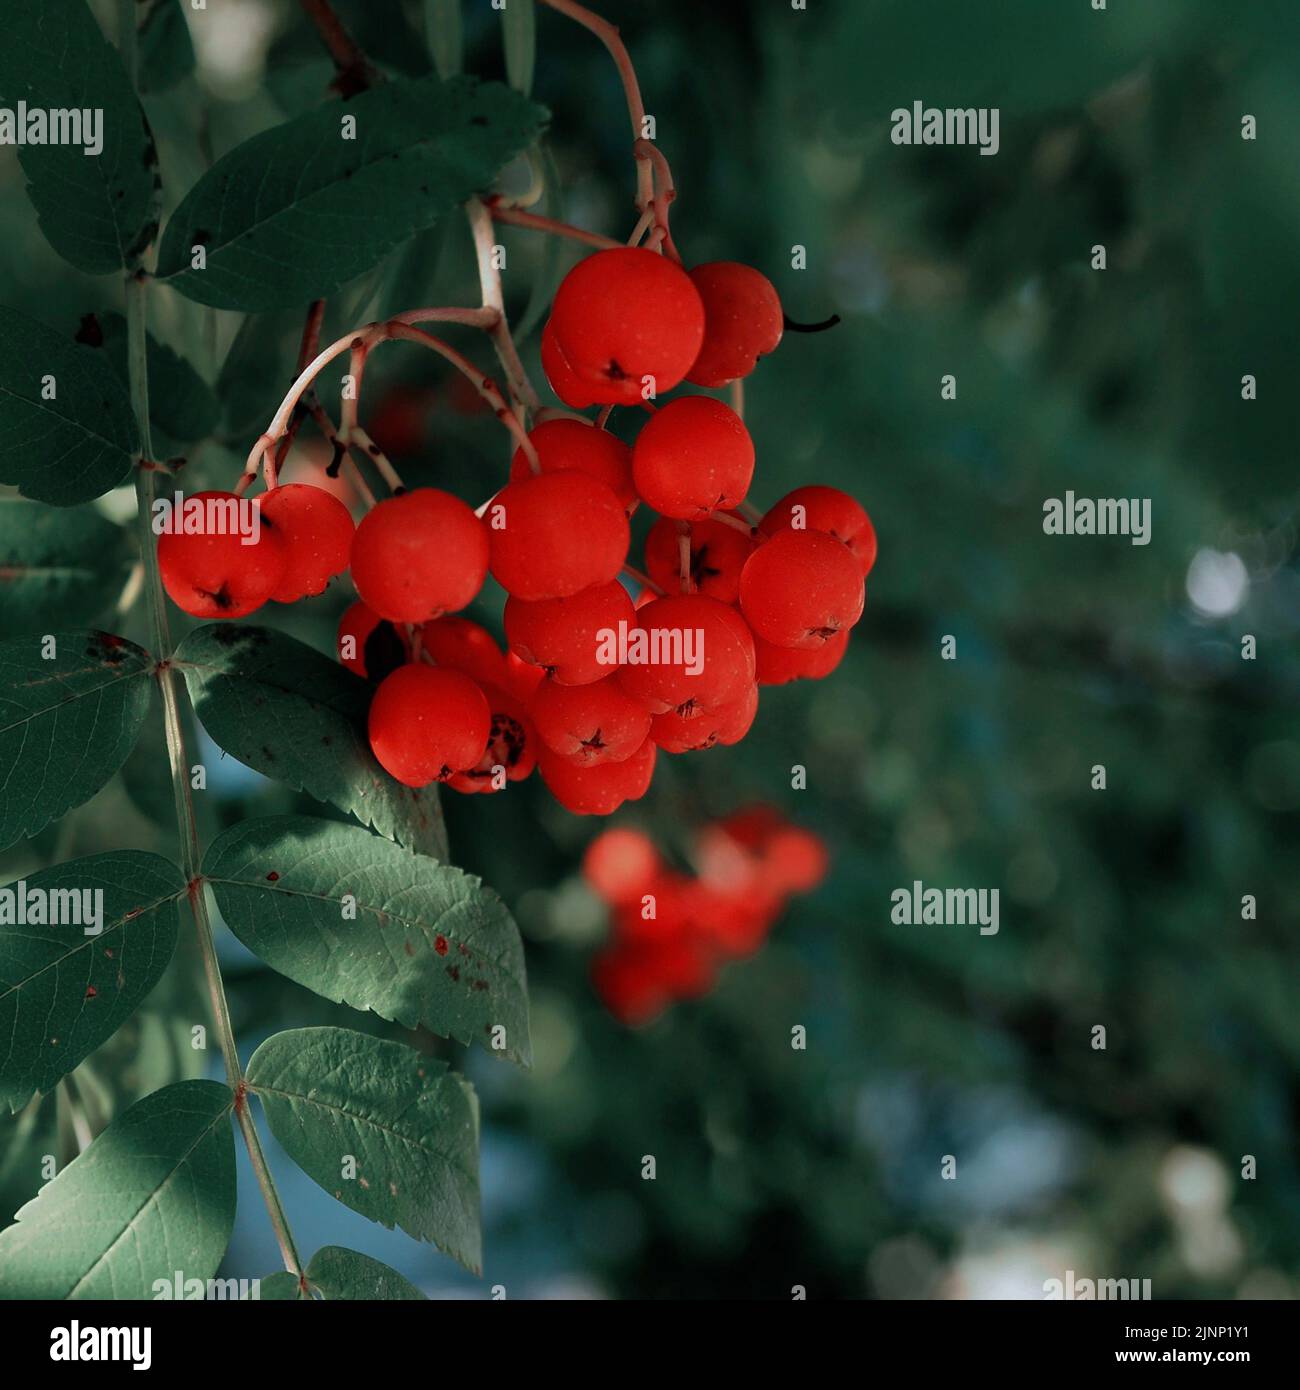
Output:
x,y
182,406
66,724
155,1193
294,715
63,992
299,210
336,1273
335,1098
67,564
98,211
362,922
75,446
166,49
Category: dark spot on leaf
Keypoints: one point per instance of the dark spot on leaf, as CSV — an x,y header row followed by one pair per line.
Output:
x,y
267,754
90,333
408,948
440,944
478,120
91,992
273,877
454,971
481,985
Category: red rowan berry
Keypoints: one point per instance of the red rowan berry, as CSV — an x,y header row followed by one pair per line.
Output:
x,y
688,653
599,790
620,864
317,531
574,444
780,665
629,985
726,724
466,646
377,648
795,860
522,678
830,510
742,321
215,574
427,723
561,635
801,588
623,315
718,554
565,382
419,555
511,746
554,534
693,457
591,724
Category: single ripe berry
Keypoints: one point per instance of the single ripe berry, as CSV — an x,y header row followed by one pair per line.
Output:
x,y
568,637
742,321
369,645
427,723
718,554
726,725
466,646
317,531
629,985
213,573
687,653
511,752
780,665
419,555
620,864
801,588
599,790
591,724
565,382
818,508
625,315
554,534
694,456
795,860
572,444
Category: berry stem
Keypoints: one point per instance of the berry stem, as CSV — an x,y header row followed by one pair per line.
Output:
x,y
737,394
355,73
137,284
480,223
369,335
726,519
750,512
484,385
642,579
306,351
684,555
608,34
517,217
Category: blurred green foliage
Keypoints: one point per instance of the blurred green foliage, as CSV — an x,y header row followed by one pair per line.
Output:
x,y
1122,907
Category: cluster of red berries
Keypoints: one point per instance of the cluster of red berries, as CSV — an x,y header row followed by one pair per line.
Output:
x,y
672,930
593,683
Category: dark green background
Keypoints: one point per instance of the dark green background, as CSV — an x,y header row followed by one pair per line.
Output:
x,y
1119,907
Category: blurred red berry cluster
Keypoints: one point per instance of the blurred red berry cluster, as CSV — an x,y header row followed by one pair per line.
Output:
x,y
670,930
